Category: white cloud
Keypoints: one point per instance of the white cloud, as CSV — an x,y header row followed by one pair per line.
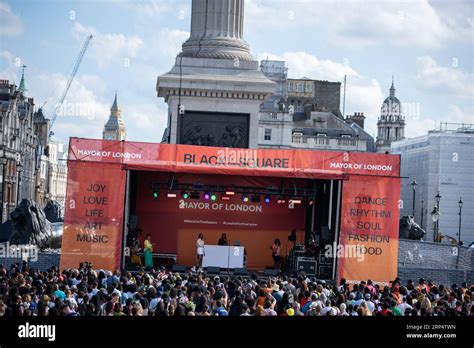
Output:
x,y
10,23
457,114
82,106
163,47
9,72
108,48
361,23
156,8
444,80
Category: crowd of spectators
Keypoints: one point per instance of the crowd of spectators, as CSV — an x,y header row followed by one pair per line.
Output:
x,y
88,292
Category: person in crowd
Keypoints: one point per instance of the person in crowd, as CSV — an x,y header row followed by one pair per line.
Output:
x,y
84,291
148,250
223,240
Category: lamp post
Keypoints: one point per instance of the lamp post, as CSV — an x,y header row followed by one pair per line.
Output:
x,y
422,210
460,213
438,199
3,162
435,216
414,185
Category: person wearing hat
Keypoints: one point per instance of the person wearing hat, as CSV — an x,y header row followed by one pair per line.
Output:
x,y
369,303
276,292
314,309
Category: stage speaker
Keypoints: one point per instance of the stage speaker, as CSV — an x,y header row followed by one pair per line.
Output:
x,y
179,268
325,234
270,272
213,270
306,265
241,271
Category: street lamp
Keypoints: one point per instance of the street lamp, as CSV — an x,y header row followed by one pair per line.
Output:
x,y
414,185
438,199
460,212
435,216
422,210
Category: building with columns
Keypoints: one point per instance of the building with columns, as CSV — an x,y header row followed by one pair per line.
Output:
x,y
391,123
215,88
114,129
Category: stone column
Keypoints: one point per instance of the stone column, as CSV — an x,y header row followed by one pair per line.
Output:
x,y
217,30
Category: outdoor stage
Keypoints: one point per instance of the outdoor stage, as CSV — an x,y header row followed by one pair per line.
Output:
x,y
175,192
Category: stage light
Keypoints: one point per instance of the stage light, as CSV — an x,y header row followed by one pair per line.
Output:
x,y
172,195
230,192
245,198
311,201
281,200
255,199
225,198
207,196
185,194
267,199
213,197
156,194
295,200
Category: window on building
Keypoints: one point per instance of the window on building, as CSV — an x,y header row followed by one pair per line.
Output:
x,y
300,87
292,87
309,87
268,134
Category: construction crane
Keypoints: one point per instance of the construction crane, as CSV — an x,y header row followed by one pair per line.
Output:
x,y
69,82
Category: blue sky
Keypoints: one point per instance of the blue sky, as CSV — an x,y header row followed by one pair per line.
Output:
x,y
427,45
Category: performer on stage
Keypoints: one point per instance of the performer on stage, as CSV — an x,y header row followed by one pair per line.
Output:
x,y
136,260
200,251
223,240
148,249
276,253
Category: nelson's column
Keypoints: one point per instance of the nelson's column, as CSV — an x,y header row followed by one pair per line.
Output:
x,y
215,88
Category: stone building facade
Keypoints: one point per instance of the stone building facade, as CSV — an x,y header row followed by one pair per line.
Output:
x,y
304,113
31,165
391,123
17,146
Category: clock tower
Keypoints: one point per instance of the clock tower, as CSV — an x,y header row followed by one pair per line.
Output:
x,y
114,129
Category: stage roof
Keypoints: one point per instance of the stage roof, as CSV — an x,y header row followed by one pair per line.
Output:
x,y
293,163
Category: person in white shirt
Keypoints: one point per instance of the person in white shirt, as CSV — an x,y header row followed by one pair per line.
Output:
x,y
404,306
200,251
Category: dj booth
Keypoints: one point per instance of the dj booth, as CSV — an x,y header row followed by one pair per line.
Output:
x,y
228,257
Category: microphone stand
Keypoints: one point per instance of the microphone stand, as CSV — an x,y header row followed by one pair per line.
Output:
x,y
228,256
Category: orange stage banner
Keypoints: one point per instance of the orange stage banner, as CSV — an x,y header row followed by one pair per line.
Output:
x,y
368,243
93,216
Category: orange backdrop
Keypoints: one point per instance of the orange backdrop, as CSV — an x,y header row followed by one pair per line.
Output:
x,y
174,226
